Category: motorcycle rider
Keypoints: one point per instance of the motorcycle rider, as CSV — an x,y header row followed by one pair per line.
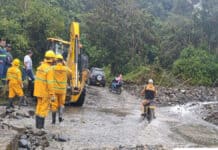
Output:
x,y
117,81
149,92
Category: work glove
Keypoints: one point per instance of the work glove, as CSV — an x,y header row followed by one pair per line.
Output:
x,y
64,63
52,98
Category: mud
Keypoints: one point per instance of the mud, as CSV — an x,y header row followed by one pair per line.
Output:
x,y
199,134
110,121
209,112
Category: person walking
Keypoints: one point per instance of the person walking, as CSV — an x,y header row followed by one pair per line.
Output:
x,y
61,73
3,54
117,81
44,88
29,65
15,84
9,58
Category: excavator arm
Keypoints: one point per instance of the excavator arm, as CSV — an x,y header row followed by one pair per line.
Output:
x,y
76,94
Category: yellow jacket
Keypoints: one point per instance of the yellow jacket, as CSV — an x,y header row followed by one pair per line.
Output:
x,y
14,75
150,87
60,78
44,82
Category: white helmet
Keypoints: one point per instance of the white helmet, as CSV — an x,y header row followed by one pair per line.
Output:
x,y
150,81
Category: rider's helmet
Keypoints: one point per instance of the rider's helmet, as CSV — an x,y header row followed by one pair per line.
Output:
x,y
150,81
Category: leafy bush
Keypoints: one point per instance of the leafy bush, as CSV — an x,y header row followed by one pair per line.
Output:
x,y
138,75
197,66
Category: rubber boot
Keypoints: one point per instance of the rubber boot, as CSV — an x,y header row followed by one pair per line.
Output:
x,y
53,117
154,115
22,101
61,110
143,113
37,122
10,103
42,123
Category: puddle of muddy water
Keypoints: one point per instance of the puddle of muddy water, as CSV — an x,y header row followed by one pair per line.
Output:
x,y
14,142
114,111
188,127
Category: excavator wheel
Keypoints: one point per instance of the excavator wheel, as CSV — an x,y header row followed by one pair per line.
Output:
x,y
81,99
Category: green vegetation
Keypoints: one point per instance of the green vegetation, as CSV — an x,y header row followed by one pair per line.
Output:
x,y
140,74
165,40
197,65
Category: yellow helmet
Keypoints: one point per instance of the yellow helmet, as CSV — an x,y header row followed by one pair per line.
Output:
x,y
50,54
16,62
59,56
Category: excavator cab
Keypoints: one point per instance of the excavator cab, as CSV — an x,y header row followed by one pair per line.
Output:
x,y
58,46
76,61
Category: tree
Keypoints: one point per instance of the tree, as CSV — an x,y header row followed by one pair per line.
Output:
x,y
121,30
176,34
197,65
27,24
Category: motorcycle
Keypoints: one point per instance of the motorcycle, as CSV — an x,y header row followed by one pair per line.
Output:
x,y
149,111
115,89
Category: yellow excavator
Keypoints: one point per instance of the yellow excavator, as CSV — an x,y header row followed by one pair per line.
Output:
x,y
76,61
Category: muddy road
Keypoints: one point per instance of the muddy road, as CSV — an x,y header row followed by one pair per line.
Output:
x,y
110,121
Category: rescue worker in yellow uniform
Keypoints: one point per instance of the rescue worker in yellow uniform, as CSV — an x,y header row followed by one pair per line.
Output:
x,y
149,92
14,79
61,72
44,88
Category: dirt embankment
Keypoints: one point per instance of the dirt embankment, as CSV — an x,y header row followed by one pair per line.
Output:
x,y
167,96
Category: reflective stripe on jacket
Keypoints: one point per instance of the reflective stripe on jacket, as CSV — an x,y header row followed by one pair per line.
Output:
x,y
14,75
60,78
44,81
